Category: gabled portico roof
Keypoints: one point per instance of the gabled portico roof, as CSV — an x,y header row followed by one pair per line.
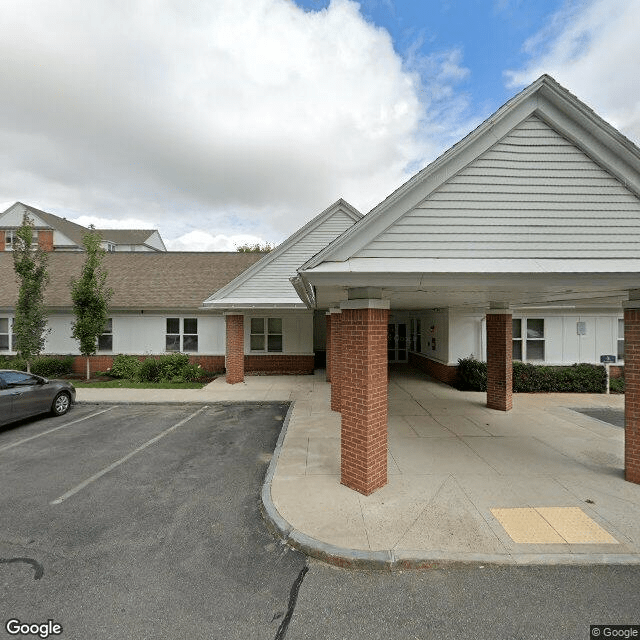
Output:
x,y
543,194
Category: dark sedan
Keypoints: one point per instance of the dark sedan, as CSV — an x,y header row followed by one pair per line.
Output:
x,y
25,394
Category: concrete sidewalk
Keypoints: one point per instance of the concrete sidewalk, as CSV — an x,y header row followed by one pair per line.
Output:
x,y
540,484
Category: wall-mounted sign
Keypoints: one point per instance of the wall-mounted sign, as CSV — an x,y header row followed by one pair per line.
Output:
x,y
607,359
581,328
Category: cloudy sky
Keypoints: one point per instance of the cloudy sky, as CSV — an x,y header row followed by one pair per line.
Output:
x,y
229,121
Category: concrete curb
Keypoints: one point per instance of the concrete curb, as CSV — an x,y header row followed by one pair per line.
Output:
x,y
390,560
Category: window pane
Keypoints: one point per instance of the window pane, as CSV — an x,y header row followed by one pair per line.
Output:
x,y
4,342
108,326
620,349
621,329
173,343
535,350
4,325
191,325
275,343
517,328
173,325
257,325
517,349
190,343
275,325
535,329
257,342
105,342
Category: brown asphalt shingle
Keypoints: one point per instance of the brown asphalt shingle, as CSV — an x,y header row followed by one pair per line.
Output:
x,y
140,280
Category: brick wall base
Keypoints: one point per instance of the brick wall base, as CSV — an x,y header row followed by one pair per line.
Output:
x,y
616,371
279,364
632,395
443,372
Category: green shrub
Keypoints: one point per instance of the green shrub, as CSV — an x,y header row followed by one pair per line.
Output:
x,y
149,370
13,362
535,378
52,366
577,378
616,385
126,367
471,375
174,367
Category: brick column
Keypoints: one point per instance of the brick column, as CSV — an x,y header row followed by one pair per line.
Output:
x,y
632,392
328,346
234,357
2,240
336,361
499,360
364,395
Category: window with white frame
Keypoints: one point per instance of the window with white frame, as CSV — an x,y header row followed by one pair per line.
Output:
x,y
266,335
528,339
105,341
6,338
620,339
182,334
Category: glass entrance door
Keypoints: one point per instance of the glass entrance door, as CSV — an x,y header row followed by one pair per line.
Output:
x,y
397,342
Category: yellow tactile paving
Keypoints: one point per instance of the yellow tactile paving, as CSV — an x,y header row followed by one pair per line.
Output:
x,y
527,526
575,526
549,525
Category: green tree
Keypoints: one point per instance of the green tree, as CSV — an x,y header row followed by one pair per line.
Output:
x,y
30,265
90,296
255,248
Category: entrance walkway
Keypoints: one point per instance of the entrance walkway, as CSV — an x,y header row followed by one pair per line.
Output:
x,y
539,484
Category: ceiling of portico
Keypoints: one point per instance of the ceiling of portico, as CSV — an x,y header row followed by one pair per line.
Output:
x,y
428,291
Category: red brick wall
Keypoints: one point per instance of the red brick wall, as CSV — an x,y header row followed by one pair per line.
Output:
x,y
328,343
45,239
2,240
364,399
499,361
279,364
101,363
632,395
336,361
443,372
234,360
616,371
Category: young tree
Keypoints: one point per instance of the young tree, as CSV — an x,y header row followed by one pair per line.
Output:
x,y
255,248
90,296
30,265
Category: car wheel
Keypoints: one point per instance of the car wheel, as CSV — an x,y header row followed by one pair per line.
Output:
x,y
61,404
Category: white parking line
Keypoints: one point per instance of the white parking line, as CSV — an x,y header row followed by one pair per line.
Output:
x,y
62,426
117,463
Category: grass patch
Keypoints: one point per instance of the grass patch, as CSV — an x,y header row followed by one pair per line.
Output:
x,y
133,384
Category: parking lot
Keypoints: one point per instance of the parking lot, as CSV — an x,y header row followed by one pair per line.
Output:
x,y
120,521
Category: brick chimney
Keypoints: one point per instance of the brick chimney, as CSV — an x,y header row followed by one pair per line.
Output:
x,y
45,239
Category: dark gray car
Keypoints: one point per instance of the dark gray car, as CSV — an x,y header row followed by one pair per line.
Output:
x,y
25,394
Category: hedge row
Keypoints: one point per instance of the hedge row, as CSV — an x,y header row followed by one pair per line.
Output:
x,y
174,367
532,378
46,366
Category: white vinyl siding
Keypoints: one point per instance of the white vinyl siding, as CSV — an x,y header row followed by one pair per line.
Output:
x,y
272,281
532,195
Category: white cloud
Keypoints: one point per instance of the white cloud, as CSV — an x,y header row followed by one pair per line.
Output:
x,y
247,116
204,241
592,49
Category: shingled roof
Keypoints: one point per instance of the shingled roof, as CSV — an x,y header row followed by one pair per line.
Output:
x,y
76,232
140,280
